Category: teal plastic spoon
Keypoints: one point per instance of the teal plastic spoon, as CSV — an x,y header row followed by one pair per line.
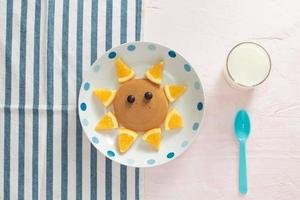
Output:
x,y
242,131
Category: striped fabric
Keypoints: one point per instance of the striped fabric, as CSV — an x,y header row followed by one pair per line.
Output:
x,y
45,46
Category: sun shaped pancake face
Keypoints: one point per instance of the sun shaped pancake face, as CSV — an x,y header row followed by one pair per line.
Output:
x,y
140,105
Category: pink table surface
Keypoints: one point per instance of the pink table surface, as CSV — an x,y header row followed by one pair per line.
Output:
x,y
203,32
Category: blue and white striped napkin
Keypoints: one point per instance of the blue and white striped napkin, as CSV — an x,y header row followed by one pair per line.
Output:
x,y
45,45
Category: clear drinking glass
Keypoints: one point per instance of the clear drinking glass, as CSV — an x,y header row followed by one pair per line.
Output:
x,y
248,65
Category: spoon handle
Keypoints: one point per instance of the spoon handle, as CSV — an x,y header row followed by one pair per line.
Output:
x,y
243,169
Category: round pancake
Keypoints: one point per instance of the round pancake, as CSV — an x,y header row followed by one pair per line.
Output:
x,y
142,115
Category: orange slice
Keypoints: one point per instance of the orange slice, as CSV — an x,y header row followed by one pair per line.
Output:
x,y
155,73
173,120
125,139
105,96
124,72
174,91
153,137
107,122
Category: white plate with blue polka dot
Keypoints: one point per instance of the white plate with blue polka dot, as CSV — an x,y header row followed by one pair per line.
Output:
x,y
141,56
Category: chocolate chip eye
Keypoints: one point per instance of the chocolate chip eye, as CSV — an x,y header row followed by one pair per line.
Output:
x,y
130,99
148,96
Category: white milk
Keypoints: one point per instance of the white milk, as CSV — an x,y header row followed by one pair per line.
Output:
x,y
248,65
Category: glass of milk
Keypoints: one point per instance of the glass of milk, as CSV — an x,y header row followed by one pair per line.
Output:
x,y
248,65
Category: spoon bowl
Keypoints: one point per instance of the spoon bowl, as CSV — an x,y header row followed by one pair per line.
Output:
x,y
242,125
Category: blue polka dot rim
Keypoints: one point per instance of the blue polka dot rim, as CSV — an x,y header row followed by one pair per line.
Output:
x,y
85,122
200,106
86,86
197,85
95,140
170,155
151,47
112,55
172,54
184,144
131,47
150,161
195,126
110,153
187,67
130,161
96,68
83,106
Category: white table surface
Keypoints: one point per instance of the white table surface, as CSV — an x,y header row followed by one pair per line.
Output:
x,y
203,31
